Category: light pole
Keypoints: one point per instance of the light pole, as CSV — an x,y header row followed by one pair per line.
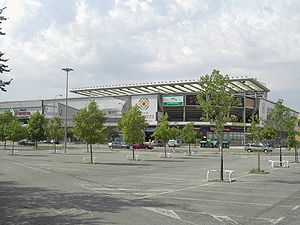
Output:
x,y
67,69
54,104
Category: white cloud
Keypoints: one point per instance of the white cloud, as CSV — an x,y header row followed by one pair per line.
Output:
x,y
122,40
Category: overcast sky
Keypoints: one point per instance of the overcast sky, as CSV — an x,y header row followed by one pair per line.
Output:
x,y
126,41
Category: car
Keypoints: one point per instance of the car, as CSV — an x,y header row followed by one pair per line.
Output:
x,y
142,146
156,143
26,142
258,147
173,143
119,144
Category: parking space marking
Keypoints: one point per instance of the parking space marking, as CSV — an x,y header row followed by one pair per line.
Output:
x,y
31,167
225,220
296,207
221,201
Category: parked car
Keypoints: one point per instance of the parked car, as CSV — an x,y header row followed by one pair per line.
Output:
x,y
119,144
257,147
50,142
26,142
142,146
156,143
173,143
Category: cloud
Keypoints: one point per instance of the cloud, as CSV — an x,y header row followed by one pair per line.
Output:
x,y
110,42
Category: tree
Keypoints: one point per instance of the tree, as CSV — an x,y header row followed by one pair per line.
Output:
x,y
255,135
54,131
283,121
132,124
216,101
189,135
3,67
5,118
89,125
111,133
163,132
268,132
36,127
15,131
291,123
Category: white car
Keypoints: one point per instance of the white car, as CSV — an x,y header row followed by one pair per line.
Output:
x,y
173,143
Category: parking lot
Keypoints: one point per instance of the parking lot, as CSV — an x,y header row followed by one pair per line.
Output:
x,y
39,187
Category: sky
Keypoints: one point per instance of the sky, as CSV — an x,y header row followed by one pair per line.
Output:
x,y
110,42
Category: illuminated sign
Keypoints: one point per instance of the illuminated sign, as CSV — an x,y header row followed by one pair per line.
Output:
x,y
172,100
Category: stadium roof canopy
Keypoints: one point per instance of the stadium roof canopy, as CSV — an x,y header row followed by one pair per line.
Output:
x,y
237,86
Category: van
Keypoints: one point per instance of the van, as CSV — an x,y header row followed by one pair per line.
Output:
x,y
173,143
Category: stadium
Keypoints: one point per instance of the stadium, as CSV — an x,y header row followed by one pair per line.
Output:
x,y
177,98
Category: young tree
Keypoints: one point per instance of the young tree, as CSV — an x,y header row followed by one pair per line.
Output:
x,y
216,101
132,124
5,118
189,135
283,121
36,127
54,131
255,135
163,132
268,132
89,125
3,67
15,131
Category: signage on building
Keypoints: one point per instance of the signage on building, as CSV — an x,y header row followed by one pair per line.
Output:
x,y
191,100
172,100
148,106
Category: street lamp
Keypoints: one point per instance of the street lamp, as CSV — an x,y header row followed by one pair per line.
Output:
x,y
54,104
66,110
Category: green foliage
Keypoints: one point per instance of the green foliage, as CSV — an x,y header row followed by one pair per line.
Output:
x,y
284,121
132,124
15,131
54,129
3,67
188,133
89,124
111,133
5,118
216,100
268,132
162,131
255,130
36,127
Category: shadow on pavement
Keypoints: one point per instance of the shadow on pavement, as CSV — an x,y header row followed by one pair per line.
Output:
x,y
36,206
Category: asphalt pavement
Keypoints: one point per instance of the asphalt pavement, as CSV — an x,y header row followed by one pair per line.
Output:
x,y
40,187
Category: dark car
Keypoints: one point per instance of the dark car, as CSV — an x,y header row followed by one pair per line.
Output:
x,y
257,147
156,143
119,144
142,146
26,142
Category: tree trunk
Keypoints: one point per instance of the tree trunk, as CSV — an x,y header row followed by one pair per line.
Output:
x,y
133,153
165,151
91,151
258,162
36,145
221,161
280,150
190,149
13,148
296,155
5,145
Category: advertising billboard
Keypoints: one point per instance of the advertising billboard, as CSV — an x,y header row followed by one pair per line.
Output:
x,y
172,100
148,106
191,100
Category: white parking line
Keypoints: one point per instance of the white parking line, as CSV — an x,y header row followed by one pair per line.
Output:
x,y
296,207
221,201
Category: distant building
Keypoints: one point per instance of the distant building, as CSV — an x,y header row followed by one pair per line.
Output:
x,y
177,98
